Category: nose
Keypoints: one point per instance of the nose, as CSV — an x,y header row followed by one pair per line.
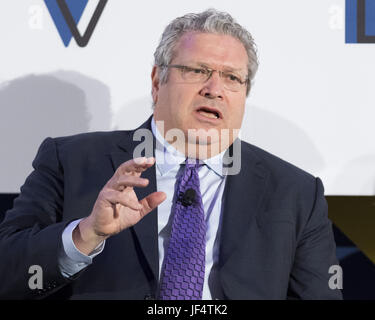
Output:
x,y
213,88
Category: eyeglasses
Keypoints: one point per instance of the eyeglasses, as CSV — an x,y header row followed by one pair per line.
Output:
x,y
231,81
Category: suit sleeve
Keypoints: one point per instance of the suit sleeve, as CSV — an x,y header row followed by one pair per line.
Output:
x,y
31,232
315,254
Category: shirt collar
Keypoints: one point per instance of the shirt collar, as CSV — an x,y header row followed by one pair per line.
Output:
x,y
167,157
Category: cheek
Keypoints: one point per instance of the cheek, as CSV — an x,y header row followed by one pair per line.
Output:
x,y
237,112
168,101
181,99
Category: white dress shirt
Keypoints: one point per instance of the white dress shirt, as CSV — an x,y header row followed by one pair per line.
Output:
x,y
168,161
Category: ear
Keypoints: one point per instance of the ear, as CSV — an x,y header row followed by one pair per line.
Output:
x,y
155,84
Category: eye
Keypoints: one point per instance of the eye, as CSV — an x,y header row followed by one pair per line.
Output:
x,y
233,78
195,70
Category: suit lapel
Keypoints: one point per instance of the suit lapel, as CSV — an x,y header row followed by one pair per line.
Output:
x,y
242,199
239,211
145,232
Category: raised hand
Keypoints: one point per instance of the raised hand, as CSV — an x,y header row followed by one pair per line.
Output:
x,y
117,206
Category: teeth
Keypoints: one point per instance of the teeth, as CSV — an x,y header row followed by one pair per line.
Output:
x,y
209,114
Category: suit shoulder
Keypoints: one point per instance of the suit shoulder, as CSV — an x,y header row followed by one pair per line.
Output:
x,y
98,140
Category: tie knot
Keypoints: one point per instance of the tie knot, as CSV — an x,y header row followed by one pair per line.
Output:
x,y
191,163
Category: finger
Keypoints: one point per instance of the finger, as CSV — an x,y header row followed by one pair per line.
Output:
x,y
150,202
120,183
115,197
136,165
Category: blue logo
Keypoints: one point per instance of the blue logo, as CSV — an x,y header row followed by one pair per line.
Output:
x,y
360,21
66,15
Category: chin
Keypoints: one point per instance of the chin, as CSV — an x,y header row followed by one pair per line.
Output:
x,y
208,138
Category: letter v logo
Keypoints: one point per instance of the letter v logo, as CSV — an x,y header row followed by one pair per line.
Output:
x,y
66,15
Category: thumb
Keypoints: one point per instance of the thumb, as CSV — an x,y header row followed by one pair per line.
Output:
x,y
150,202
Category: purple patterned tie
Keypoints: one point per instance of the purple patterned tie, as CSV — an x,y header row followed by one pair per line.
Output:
x,y
184,263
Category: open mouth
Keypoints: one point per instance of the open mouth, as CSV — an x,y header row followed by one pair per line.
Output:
x,y
209,112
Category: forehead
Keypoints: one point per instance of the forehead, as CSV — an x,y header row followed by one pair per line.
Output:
x,y
215,50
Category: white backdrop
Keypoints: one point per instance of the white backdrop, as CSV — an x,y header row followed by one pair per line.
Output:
x,y
312,103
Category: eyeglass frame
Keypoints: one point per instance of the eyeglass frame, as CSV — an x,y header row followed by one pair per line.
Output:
x,y
210,71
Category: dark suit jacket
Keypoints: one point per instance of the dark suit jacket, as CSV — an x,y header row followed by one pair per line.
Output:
x,y
276,239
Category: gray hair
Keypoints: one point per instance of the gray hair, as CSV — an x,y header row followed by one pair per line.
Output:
x,y
209,21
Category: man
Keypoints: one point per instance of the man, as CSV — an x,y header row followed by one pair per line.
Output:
x,y
103,223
